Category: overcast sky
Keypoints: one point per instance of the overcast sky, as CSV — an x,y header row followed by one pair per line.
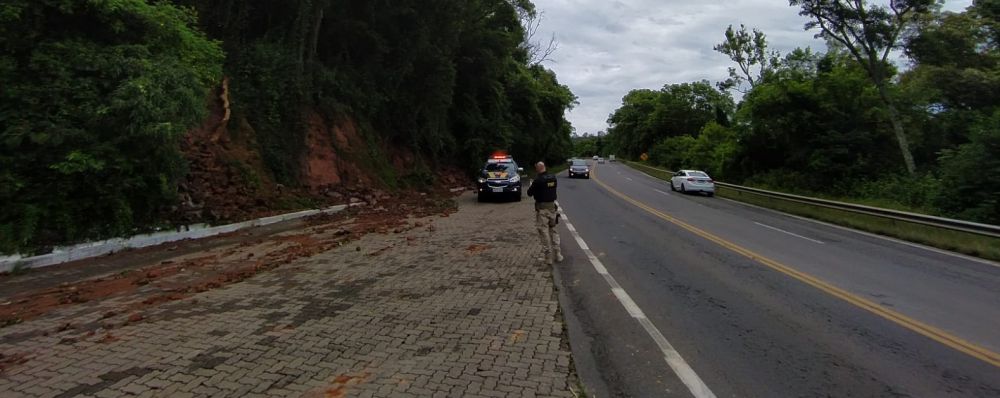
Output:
x,y
608,47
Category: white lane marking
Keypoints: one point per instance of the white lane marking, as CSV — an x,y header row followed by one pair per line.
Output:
x,y
790,233
657,190
629,179
871,235
673,358
630,306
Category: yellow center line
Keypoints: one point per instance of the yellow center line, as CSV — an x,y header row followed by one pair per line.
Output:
x,y
929,331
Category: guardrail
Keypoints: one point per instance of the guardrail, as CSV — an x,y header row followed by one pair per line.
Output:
x,y
992,231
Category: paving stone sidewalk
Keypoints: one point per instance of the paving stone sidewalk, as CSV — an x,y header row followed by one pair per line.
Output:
x,y
459,306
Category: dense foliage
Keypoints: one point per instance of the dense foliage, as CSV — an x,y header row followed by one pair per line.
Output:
x,y
827,124
95,96
451,81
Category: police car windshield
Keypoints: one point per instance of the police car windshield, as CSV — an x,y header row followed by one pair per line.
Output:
x,y
508,167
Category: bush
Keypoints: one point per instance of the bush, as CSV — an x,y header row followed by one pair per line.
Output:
x,y
911,193
712,151
972,175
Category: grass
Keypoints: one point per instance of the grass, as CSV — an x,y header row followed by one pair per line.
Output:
x,y
962,242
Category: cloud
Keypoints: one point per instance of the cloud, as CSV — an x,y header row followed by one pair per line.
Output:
x,y
607,48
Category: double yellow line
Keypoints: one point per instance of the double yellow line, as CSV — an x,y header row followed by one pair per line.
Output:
x,y
931,332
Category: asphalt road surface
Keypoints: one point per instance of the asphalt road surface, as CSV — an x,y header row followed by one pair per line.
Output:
x,y
685,295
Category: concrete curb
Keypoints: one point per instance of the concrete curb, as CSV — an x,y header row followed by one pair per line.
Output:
x,y
93,249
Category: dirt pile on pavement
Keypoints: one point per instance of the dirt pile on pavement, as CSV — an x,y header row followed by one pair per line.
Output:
x,y
170,280
8,360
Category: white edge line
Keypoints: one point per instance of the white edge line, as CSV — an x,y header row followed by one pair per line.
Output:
x,y
657,190
789,233
673,358
873,235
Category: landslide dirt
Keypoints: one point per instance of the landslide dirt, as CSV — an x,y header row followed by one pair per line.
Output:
x,y
145,284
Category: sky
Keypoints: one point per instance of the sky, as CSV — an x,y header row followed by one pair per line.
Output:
x,y
609,47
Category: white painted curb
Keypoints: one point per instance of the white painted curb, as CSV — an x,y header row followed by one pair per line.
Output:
x,y
93,249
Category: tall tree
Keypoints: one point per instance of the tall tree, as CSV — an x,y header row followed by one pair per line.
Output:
x,y
749,51
537,49
869,32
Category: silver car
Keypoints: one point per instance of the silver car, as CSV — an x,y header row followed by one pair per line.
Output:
x,y
692,181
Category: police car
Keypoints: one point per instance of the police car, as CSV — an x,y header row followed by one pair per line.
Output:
x,y
500,178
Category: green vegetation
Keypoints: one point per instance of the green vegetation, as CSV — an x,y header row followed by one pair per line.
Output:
x,y
96,96
451,82
588,145
844,124
962,242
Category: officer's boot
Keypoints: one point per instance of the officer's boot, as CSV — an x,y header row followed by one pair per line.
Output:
x,y
550,256
559,257
545,256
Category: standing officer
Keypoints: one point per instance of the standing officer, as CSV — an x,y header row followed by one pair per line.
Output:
x,y
543,189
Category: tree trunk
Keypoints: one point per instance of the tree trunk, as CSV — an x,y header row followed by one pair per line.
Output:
x,y
314,39
897,128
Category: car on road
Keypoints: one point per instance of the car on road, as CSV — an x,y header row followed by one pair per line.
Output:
x,y
579,168
600,160
595,157
500,178
692,181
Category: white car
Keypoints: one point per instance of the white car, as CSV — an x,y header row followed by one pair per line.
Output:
x,y
600,160
692,181
595,157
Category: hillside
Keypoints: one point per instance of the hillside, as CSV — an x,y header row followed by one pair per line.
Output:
x,y
124,116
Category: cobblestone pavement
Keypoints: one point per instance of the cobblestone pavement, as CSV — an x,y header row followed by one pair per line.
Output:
x,y
457,306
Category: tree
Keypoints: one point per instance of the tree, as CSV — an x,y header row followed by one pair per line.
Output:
x,y
538,51
814,132
954,80
869,33
749,52
973,174
646,117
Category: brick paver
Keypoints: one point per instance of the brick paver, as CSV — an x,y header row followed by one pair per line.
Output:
x,y
459,306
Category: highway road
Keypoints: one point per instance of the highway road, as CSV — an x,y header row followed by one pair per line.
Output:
x,y
668,294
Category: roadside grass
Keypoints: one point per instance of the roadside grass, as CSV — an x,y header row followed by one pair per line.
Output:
x,y
957,241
